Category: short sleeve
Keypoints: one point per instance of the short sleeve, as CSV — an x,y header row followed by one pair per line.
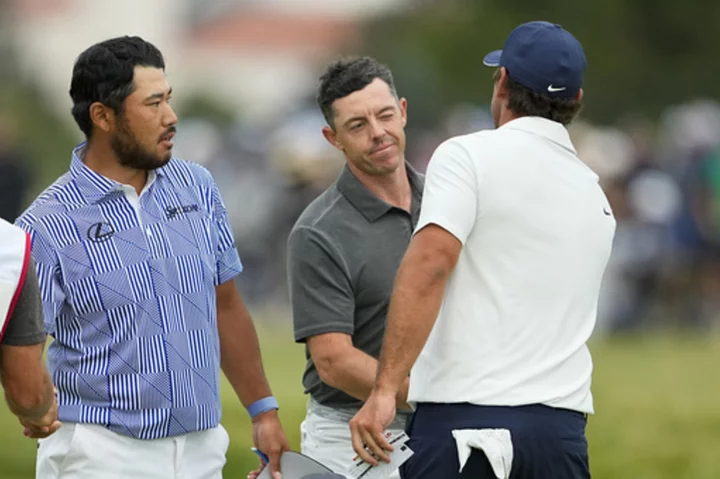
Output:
x,y
26,323
227,257
49,277
321,292
450,195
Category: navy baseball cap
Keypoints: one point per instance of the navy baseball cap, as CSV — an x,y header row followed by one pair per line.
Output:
x,y
543,57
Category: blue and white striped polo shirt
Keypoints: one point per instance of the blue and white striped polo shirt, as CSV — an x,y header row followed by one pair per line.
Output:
x,y
128,287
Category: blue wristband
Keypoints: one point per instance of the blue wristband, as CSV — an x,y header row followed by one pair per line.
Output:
x,y
262,405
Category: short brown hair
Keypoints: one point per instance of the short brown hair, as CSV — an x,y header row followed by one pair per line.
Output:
x,y
345,76
525,102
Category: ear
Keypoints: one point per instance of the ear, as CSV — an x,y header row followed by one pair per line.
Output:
x,y
579,95
501,84
331,137
403,111
102,116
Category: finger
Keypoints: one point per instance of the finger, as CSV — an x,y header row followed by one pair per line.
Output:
x,y
274,456
381,439
35,434
54,427
358,444
371,442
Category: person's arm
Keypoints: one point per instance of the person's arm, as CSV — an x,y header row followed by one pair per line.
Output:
x,y
323,305
29,391
342,366
28,387
239,348
449,213
415,304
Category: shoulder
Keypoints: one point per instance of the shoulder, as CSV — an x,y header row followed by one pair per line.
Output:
x,y
461,152
320,222
471,142
9,230
187,173
323,211
51,205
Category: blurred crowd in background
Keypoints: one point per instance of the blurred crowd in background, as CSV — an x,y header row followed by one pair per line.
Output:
x,y
660,169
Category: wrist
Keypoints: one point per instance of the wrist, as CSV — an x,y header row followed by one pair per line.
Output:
x,y
262,406
385,388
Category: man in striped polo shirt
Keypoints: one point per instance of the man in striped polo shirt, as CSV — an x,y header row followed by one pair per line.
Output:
x,y
136,262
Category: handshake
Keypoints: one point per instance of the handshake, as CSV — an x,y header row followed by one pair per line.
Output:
x,y
39,427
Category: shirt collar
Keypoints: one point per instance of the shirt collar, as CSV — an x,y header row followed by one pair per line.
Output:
x,y
549,129
366,202
92,185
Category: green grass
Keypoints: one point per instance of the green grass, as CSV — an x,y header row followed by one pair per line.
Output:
x,y
657,405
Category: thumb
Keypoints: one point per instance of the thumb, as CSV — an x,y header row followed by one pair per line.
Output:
x,y
275,465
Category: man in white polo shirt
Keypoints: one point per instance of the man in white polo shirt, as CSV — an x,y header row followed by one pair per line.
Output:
x,y
497,295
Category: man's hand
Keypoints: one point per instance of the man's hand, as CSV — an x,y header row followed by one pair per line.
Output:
x,y
44,426
368,425
269,438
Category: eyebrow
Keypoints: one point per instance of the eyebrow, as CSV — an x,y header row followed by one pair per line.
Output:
x,y
358,118
158,96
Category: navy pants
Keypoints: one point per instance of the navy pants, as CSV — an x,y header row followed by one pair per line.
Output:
x,y
548,443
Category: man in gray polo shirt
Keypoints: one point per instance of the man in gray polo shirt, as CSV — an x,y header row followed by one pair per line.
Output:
x,y
344,251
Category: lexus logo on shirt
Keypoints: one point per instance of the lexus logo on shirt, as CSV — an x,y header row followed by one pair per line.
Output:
x,y
100,232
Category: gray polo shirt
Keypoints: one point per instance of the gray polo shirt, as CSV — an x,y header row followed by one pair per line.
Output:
x,y
343,255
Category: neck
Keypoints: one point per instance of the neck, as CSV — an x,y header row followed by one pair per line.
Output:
x,y
100,158
393,188
507,116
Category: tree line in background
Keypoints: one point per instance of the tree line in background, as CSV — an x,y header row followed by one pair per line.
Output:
x,y
643,55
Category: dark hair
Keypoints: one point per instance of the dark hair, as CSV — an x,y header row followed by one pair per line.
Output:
x,y
345,76
525,102
104,73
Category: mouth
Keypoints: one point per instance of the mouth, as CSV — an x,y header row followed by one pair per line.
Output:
x,y
382,149
166,139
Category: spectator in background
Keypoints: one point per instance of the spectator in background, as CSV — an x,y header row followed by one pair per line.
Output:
x,y
14,172
705,206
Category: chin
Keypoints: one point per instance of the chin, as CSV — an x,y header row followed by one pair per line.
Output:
x,y
391,164
164,159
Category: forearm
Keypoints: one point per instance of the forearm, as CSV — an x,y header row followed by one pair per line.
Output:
x,y
29,399
240,354
354,372
416,300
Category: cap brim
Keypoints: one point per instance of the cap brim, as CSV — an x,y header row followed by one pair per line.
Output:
x,y
492,59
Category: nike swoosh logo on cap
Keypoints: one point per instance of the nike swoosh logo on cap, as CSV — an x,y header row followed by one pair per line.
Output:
x,y
553,89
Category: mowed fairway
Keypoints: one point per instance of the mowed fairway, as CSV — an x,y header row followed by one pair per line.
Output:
x,y
657,403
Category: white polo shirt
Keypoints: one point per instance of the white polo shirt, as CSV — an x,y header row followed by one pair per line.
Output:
x,y
536,230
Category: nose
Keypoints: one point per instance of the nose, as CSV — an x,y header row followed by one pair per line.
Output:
x,y
376,129
170,117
